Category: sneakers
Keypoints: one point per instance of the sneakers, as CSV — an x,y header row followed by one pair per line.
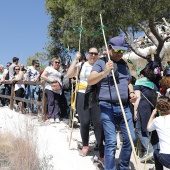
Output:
x,y
150,156
84,151
57,120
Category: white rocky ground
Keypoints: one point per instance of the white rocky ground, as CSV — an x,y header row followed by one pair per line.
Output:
x,y
53,142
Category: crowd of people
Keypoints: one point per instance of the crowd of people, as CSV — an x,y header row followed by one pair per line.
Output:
x,y
105,115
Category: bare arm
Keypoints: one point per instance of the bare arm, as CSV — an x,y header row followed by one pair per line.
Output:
x,y
20,75
132,94
44,75
72,71
95,77
154,112
136,104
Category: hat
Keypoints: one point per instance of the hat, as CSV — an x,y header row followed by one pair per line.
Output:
x,y
118,43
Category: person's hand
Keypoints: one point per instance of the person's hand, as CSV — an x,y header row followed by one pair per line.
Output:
x,y
109,66
154,112
135,116
77,57
133,97
73,81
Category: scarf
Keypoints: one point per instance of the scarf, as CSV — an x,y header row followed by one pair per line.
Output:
x,y
144,82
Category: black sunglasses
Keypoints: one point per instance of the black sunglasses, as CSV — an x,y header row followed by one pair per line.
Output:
x,y
92,53
57,62
17,69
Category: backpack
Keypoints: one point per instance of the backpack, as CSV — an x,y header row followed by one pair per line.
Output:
x,y
66,82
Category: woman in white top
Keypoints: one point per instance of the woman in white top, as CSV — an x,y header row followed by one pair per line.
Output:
x,y
53,90
19,88
90,114
162,125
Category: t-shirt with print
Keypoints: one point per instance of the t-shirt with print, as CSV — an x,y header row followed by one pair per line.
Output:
x,y
84,74
52,74
106,87
32,73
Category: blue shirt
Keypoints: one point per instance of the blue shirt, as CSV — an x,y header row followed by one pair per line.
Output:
x,y
106,87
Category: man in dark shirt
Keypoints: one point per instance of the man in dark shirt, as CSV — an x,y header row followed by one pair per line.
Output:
x,y
111,113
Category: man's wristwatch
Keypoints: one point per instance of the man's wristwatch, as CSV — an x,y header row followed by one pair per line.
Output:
x,y
132,92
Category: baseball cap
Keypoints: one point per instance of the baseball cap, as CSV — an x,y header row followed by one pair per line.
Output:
x,y
117,43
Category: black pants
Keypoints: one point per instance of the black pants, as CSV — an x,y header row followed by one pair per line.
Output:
x,y
85,116
19,93
161,160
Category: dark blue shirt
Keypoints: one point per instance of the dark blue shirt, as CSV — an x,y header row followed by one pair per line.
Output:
x,y
106,87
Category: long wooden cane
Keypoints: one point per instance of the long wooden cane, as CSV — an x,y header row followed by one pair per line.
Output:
x,y
147,150
74,111
120,101
71,110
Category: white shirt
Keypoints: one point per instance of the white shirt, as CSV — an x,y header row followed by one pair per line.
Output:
x,y
32,73
167,92
52,74
162,125
18,86
84,74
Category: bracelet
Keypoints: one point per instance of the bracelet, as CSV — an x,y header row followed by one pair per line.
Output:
x,y
132,92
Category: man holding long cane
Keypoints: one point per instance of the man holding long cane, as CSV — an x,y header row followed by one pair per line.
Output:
x,y
111,114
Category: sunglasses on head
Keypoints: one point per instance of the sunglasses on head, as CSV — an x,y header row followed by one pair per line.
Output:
x,y
92,53
119,51
57,62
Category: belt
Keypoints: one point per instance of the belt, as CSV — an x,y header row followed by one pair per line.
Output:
x,y
124,103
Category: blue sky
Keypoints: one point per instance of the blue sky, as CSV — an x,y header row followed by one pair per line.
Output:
x,y
23,29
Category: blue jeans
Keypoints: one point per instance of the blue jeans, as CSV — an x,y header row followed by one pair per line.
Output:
x,y
144,137
161,160
32,94
111,115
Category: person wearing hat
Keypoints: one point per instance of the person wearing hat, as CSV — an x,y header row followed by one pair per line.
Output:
x,y
111,113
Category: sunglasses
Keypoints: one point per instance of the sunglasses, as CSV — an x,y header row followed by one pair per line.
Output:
x,y
57,62
17,69
119,51
92,53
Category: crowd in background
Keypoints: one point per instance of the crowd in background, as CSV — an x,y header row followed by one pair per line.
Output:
x,y
59,82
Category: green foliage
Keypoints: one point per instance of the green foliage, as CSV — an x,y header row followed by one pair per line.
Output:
x,y
42,57
118,16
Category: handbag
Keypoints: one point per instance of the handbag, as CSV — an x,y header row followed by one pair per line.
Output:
x,y
80,86
55,86
90,97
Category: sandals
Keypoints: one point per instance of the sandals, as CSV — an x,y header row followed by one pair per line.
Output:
x,y
84,151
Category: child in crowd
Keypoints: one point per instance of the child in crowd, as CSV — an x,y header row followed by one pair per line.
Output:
x,y
162,125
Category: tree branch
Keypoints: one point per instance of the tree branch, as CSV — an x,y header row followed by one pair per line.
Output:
x,y
168,37
158,37
133,47
149,34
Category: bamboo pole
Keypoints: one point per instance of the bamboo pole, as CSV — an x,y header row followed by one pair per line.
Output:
x,y
74,111
147,150
120,101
